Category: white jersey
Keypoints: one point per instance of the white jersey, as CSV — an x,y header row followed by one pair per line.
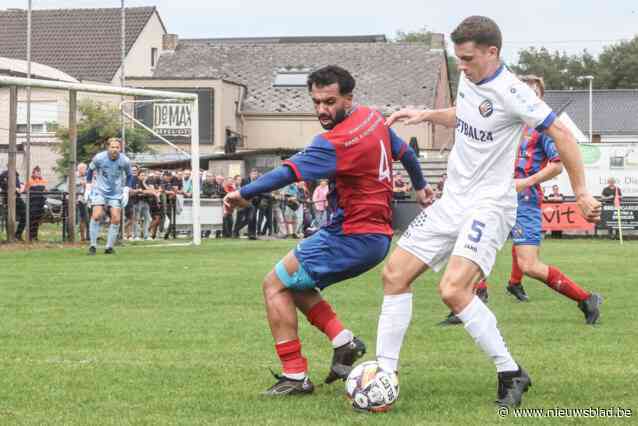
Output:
x,y
489,126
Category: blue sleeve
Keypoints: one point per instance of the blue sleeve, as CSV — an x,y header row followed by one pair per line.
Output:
x,y
272,180
546,123
401,151
91,168
399,147
549,147
317,161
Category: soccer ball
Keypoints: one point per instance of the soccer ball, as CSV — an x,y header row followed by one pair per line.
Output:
x,y
372,389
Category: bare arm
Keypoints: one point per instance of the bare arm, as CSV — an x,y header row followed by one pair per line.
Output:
x,y
548,172
444,117
573,161
570,156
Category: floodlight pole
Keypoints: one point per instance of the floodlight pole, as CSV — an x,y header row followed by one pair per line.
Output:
x,y
122,76
27,148
11,165
591,132
73,137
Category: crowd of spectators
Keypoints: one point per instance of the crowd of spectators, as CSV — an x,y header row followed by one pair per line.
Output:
x,y
156,198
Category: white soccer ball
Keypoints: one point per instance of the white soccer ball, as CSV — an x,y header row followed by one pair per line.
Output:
x,y
372,389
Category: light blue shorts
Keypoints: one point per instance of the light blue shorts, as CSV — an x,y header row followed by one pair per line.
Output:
x,y
99,199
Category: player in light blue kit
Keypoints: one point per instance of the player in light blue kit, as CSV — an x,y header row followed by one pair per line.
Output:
x,y
110,169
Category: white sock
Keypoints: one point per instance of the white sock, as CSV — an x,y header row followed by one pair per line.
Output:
x,y
396,313
295,376
480,322
342,338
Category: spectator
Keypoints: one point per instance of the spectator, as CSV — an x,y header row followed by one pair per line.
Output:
x,y
320,201
220,183
291,198
608,197
555,196
169,188
21,208
227,230
153,197
303,216
278,207
264,216
401,188
209,187
237,180
36,186
143,195
187,184
609,192
82,208
129,210
248,215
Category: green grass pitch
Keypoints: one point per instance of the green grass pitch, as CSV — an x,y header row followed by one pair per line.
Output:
x,y
178,336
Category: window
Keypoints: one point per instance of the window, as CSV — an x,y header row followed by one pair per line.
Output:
x,y
153,56
291,79
44,117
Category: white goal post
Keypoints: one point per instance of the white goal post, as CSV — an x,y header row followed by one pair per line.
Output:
x,y
7,81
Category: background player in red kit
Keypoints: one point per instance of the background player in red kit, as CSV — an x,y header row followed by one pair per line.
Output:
x,y
356,154
537,161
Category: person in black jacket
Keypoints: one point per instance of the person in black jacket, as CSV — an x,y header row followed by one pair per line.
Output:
x,y
248,215
21,208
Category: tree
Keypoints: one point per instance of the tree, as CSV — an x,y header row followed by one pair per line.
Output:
x,y
559,70
99,121
618,66
422,35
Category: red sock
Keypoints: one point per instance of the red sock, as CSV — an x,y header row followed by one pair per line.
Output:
x,y
290,355
517,275
481,284
324,318
562,284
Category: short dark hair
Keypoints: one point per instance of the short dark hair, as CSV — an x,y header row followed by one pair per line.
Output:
x,y
479,29
331,74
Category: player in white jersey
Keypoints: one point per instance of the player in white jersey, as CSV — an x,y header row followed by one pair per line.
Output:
x,y
112,172
473,218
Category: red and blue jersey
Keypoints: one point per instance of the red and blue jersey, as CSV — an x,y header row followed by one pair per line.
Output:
x,y
534,152
357,157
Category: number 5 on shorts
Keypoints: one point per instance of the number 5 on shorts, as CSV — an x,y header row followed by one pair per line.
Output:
x,y
477,231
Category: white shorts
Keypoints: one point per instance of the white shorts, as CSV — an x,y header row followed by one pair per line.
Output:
x,y
445,229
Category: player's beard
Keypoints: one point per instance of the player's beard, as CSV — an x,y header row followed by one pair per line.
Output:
x,y
340,115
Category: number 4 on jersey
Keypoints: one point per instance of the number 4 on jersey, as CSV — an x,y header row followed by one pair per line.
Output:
x,y
384,164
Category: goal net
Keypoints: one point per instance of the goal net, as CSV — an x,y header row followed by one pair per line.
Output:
x,y
165,123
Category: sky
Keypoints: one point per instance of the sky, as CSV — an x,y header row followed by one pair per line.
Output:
x,y
565,25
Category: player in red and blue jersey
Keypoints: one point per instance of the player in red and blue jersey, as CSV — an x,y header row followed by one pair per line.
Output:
x,y
537,161
356,154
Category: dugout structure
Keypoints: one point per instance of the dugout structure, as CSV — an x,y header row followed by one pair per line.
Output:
x,y
73,89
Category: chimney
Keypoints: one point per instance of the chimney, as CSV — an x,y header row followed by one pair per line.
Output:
x,y
169,42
